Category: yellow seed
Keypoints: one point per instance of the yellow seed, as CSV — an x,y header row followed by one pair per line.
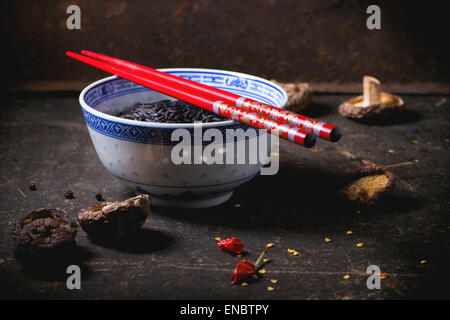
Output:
x,y
423,261
244,284
270,245
327,239
346,277
290,250
296,253
270,288
217,239
262,271
266,260
274,281
254,276
359,245
414,141
349,232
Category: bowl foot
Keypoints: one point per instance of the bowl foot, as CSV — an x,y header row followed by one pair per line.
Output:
x,y
194,203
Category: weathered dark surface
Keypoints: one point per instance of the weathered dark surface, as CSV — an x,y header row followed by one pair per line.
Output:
x,y
288,40
44,140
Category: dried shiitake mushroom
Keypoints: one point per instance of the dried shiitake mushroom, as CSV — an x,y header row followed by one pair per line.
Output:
x,y
299,95
369,183
372,103
43,236
115,218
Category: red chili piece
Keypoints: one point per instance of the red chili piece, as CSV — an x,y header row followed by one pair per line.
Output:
x,y
243,269
231,245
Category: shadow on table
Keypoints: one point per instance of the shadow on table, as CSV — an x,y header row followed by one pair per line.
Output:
x,y
404,117
142,241
433,277
294,199
56,269
317,110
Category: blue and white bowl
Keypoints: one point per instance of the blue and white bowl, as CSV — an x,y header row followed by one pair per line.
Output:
x,y
139,153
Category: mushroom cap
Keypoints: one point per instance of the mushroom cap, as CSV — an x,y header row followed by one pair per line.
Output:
x,y
299,95
369,183
43,236
115,218
354,108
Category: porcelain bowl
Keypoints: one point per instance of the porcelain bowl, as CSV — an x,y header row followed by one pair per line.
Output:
x,y
140,153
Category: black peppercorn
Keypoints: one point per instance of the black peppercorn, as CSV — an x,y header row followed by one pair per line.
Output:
x,y
99,197
69,195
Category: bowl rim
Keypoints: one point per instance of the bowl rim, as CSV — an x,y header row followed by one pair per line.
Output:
x,y
91,110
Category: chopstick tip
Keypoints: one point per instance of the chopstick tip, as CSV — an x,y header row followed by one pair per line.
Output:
x,y
335,134
310,140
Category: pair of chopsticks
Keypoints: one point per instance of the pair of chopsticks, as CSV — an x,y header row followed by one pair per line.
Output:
x,y
288,125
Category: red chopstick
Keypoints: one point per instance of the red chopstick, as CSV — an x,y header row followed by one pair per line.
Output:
x,y
320,129
252,119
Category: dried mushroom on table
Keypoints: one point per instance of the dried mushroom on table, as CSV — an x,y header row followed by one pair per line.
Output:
x,y
43,236
372,103
115,218
370,182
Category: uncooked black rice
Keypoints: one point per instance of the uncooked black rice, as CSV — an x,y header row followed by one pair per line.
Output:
x,y
169,112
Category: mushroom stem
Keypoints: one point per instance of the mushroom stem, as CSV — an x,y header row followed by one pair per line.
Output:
x,y
258,262
401,164
371,91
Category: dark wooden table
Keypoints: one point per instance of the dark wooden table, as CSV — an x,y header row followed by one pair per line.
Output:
x,y
43,139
